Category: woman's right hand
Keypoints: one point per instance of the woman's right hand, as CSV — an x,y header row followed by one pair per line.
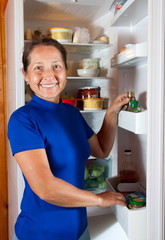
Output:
x,y
108,199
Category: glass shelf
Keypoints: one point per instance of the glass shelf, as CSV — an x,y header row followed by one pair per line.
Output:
x,y
84,48
93,111
87,78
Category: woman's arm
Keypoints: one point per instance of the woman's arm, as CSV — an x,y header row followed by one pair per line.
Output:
x,y
35,167
102,142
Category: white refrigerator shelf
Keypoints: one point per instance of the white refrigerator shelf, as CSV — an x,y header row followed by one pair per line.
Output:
x,y
85,47
131,57
86,78
133,221
134,122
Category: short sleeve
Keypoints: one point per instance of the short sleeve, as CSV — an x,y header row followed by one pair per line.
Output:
x,y
23,133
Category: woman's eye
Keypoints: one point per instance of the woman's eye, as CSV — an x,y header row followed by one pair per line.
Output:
x,y
38,68
56,67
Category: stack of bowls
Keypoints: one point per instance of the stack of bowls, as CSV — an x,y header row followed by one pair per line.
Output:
x,y
90,68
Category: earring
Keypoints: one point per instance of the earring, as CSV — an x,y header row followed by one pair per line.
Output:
x,y
27,83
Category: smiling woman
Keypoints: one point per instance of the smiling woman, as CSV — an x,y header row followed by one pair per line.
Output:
x,y
3,159
51,142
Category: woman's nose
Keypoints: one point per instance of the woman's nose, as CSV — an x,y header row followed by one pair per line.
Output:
x,y
48,74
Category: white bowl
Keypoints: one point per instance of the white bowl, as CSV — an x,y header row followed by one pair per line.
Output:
x,y
88,72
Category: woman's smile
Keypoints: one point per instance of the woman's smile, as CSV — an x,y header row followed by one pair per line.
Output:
x,y
47,85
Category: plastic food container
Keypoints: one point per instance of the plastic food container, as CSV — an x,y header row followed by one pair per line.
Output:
x,y
62,35
93,104
136,202
72,102
91,63
96,171
88,92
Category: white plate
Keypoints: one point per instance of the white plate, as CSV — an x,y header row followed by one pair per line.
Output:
x,y
99,42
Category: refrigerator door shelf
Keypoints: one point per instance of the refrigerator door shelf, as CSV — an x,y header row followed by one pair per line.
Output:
x,y
131,57
134,122
131,13
134,222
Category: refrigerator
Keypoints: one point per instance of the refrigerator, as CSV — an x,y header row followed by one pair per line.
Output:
x,y
131,60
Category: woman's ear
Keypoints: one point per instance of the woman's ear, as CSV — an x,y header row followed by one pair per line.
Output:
x,y
25,76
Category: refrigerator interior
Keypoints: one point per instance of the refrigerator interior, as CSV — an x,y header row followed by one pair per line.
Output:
x,y
97,17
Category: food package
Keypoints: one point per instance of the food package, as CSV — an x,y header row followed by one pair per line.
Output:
x,y
37,35
104,39
28,34
81,35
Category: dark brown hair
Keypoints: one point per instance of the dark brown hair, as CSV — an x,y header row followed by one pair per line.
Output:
x,y
43,42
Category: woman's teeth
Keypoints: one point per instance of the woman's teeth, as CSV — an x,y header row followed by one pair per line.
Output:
x,y
48,85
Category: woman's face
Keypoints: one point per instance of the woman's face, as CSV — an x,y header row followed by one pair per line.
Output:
x,y
46,73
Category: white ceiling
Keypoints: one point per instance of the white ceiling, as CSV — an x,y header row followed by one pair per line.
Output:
x,y
66,10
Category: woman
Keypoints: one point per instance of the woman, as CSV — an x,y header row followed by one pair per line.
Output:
x,y
51,142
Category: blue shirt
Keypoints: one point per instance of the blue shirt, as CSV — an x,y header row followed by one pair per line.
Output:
x,y
62,131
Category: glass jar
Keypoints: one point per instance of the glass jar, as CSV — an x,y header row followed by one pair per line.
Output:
x,y
127,172
88,92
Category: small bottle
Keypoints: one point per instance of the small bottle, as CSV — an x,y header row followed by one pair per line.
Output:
x,y
134,106
130,95
127,172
